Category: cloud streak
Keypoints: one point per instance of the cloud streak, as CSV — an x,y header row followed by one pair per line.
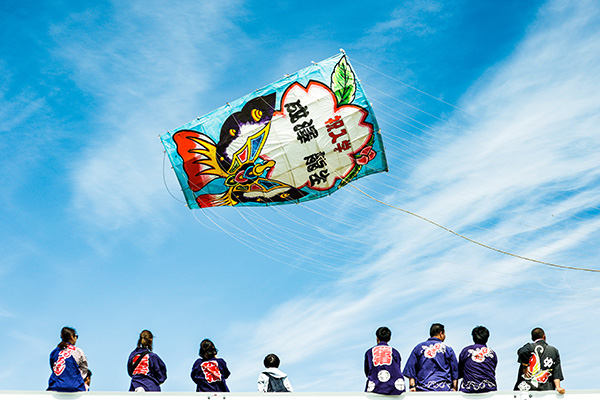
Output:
x,y
147,68
522,175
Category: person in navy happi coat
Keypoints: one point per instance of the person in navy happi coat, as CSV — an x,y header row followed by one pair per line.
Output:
x,y
432,365
146,369
382,366
477,364
209,372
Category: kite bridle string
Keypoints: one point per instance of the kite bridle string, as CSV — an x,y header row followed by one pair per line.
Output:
x,y
165,179
409,86
469,239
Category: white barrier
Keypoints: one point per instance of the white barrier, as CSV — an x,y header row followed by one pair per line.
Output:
x,y
570,395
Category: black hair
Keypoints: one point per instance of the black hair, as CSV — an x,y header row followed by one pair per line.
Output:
x,y
537,333
383,334
436,329
271,361
480,335
89,374
145,340
66,335
207,349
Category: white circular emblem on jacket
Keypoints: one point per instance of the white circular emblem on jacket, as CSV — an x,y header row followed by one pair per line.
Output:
x,y
383,376
399,384
370,386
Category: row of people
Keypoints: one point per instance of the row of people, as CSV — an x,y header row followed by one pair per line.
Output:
x,y
432,365
70,372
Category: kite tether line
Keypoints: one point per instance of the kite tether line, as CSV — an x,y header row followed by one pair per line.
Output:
x,y
469,239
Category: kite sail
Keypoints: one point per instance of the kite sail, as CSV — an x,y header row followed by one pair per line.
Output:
x,y
297,139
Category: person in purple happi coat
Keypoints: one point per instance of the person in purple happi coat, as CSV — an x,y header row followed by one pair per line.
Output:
x,y
209,372
146,368
382,366
432,365
477,364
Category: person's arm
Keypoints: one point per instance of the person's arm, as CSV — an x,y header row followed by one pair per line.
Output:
x,y
263,383
525,370
557,374
410,372
81,362
453,368
130,366
159,369
224,369
197,375
558,388
523,355
287,384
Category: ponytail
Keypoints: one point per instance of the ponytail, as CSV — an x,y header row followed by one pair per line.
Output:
x,y
145,340
66,335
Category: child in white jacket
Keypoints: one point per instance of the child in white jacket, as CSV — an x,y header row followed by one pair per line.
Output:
x,y
272,379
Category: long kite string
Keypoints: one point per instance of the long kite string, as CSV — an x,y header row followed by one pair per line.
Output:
x,y
469,239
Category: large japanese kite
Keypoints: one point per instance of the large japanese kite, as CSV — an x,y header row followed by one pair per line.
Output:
x,y
297,139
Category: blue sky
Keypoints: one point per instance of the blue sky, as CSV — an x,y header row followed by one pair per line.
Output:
x,y
90,236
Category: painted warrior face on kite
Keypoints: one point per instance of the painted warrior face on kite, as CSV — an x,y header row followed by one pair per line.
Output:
x,y
236,158
295,140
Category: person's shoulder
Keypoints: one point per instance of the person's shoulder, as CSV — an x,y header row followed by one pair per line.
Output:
x,y
198,361
550,347
418,349
489,349
384,344
135,351
275,372
527,347
77,350
467,348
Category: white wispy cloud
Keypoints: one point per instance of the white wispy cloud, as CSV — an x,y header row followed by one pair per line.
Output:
x,y
518,175
146,68
412,17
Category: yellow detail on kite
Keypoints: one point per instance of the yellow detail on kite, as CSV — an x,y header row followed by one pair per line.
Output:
x,y
260,168
247,149
209,151
256,114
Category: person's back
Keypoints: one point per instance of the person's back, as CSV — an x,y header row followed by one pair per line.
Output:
x,y
146,368
272,379
382,366
477,364
209,372
432,365
539,365
68,364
